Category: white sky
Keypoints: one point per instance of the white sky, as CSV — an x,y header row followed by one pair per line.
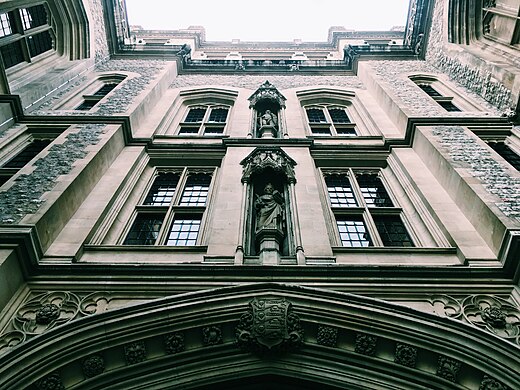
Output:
x,y
267,20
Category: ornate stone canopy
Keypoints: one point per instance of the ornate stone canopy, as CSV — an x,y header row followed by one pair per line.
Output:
x,y
267,92
268,157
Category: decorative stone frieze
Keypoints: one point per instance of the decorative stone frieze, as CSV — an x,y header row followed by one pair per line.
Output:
x,y
489,383
268,157
405,355
477,82
50,382
365,344
23,197
145,71
492,313
135,352
174,343
495,176
46,311
269,325
252,82
448,368
93,366
327,336
212,335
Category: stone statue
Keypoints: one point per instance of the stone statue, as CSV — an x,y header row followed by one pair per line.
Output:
x,y
268,119
269,209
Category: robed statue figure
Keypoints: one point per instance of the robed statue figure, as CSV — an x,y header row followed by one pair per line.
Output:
x,y
270,209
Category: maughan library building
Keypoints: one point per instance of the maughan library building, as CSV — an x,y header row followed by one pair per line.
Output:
x,y
181,213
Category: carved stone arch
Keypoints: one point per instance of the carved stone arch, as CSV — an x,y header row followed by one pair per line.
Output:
x,y
189,341
268,157
267,106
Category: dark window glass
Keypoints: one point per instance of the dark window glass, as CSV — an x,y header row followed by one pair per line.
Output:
x,y
449,106
5,25
339,115
506,153
28,153
373,191
392,231
346,131
33,16
39,43
184,231
320,130
340,191
105,89
196,190
86,105
429,90
12,54
189,130
145,229
218,115
316,115
195,115
353,232
163,189
4,178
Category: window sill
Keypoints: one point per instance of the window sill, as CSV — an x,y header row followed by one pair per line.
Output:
x,y
395,249
145,248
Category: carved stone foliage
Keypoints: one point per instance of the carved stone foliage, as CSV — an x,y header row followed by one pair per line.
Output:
x,y
252,82
93,366
365,344
448,368
478,82
24,196
212,335
489,383
135,352
405,354
327,336
269,325
268,157
267,91
120,99
495,176
48,310
174,343
50,382
494,314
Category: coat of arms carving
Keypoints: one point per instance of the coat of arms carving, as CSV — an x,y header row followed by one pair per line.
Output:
x,y
269,325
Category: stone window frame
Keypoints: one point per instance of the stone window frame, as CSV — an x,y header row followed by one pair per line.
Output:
x,y
18,142
170,212
447,93
491,8
362,210
334,129
19,35
510,137
205,124
360,118
88,92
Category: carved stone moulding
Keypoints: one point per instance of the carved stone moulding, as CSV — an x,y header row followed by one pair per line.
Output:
x,y
269,325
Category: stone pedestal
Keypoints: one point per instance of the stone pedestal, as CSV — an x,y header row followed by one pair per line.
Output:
x,y
270,241
267,131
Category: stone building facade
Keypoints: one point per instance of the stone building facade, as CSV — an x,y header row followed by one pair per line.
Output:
x,y
179,213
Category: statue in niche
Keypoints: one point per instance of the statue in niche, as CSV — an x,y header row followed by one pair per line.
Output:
x,y
270,209
267,124
268,119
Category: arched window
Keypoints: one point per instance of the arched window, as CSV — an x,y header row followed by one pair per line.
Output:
x,y
204,120
329,120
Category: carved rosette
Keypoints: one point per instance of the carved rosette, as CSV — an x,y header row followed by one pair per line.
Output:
x,y
492,313
50,382
405,354
269,325
365,344
489,383
212,335
327,336
448,368
93,366
135,352
174,343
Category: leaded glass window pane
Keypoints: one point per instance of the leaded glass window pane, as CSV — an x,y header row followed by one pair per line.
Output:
x,y
506,153
429,90
340,191
5,25
392,231
145,229
12,54
39,43
28,153
184,231
86,105
353,232
163,189
338,115
196,190
33,16
373,191
449,106
195,115
320,130
316,115
218,115
105,89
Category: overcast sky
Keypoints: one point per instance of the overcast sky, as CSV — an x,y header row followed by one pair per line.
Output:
x,y
267,20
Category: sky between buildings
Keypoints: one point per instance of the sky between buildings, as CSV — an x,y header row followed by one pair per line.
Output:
x,y
268,20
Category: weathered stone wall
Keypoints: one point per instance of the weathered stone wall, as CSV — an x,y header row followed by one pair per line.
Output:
x,y
253,82
101,51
